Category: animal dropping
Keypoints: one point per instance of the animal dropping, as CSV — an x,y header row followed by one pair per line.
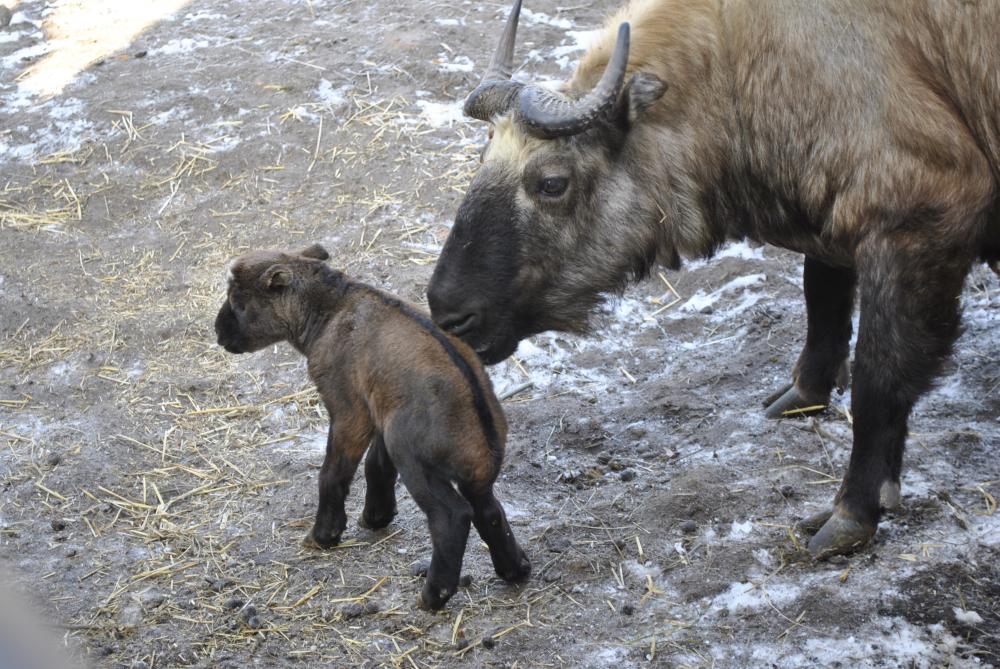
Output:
x,y
417,399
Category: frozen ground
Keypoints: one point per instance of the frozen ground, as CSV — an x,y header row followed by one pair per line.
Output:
x,y
155,489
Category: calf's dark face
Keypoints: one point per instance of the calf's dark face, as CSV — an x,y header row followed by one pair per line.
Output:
x,y
250,319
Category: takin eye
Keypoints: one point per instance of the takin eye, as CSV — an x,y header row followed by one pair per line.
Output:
x,y
553,186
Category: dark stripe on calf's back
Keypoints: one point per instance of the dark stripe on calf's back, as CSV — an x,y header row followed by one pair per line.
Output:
x,y
478,395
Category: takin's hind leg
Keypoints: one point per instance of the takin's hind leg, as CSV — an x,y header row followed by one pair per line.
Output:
x,y
380,495
909,320
449,518
822,365
509,561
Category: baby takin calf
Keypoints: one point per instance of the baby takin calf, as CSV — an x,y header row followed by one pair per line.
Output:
x,y
389,378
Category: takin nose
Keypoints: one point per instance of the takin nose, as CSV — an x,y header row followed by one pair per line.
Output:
x,y
452,309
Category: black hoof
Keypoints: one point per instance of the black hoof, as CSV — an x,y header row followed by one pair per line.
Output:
x,y
789,402
321,540
375,521
433,598
839,535
813,523
516,573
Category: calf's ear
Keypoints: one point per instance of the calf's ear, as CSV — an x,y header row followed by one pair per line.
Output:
x,y
315,251
276,276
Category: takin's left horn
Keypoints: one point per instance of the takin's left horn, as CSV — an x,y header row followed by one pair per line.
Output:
x,y
546,113
497,93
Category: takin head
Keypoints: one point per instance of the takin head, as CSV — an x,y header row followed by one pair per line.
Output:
x,y
268,298
544,229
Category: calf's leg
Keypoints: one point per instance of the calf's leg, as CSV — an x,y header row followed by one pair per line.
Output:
x,y
822,365
910,290
346,443
449,518
380,495
509,561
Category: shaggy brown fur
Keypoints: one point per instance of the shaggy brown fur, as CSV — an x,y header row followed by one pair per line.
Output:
x,y
388,377
865,135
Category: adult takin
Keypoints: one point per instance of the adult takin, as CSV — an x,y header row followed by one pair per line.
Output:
x,y
389,378
864,135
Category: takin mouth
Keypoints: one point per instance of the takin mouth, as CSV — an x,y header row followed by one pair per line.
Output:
x,y
231,347
496,349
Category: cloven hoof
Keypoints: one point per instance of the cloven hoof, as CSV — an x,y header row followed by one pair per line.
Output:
x,y
312,543
788,402
839,535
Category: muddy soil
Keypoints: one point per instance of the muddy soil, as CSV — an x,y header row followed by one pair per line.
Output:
x,y
155,489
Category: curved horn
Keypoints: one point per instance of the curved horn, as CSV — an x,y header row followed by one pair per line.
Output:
x,y
497,93
502,65
548,113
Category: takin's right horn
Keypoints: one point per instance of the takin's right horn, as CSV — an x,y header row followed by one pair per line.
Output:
x,y
546,113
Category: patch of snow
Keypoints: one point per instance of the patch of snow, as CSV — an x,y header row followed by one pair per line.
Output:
x,y
951,388
740,530
439,114
764,557
180,46
32,52
741,250
544,19
21,17
746,595
456,64
580,40
170,114
700,300
611,656
59,369
907,645
330,96
222,143
967,617
204,16
67,131
12,36
987,529
450,22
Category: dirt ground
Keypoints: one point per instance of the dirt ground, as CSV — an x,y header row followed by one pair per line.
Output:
x,y
155,489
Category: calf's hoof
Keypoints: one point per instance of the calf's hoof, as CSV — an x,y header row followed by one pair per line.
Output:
x,y
517,572
840,534
433,598
789,402
375,520
320,541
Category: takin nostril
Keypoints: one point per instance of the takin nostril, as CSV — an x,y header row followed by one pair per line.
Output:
x,y
460,324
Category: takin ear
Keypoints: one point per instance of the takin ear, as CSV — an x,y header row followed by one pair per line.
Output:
x,y
276,277
641,93
315,251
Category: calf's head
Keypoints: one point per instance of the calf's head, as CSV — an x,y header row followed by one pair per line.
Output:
x,y
544,229
267,300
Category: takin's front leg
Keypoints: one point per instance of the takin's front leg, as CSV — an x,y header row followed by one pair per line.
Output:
x,y
822,365
346,443
909,319
380,495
